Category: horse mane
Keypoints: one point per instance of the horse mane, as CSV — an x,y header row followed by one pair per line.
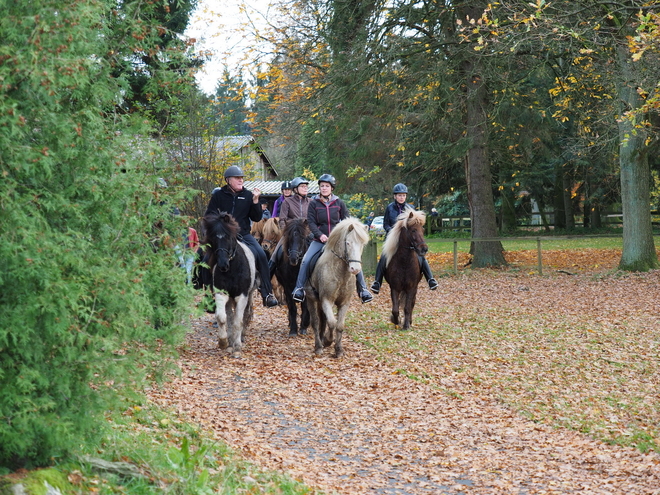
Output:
x,y
348,226
294,227
271,228
217,224
404,220
257,228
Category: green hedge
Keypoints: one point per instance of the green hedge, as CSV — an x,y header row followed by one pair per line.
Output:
x,y
91,298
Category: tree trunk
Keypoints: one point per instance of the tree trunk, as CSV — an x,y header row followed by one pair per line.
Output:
x,y
567,186
639,252
477,172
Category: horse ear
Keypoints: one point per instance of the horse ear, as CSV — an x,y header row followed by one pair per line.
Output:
x,y
351,227
411,214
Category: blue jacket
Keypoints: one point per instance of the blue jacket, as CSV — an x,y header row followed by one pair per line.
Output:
x,y
392,211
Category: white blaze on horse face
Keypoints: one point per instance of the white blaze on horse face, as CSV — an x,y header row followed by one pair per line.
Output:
x,y
354,256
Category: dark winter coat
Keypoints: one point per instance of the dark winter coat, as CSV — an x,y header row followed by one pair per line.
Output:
x,y
240,205
392,211
322,217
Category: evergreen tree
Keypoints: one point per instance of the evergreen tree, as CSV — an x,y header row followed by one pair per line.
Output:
x,y
90,287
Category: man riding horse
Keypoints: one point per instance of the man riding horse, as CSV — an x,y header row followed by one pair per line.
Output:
x,y
244,206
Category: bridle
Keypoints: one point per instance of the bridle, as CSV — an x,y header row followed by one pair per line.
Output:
x,y
231,254
345,257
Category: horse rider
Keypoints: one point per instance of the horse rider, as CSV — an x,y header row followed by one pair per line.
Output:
x,y
244,206
293,206
324,212
393,210
286,191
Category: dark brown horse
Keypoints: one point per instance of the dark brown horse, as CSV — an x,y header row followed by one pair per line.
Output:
x,y
402,249
295,241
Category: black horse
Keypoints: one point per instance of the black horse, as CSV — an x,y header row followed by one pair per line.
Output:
x,y
231,277
295,241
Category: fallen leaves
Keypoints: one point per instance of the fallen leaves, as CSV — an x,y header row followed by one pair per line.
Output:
x,y
487,394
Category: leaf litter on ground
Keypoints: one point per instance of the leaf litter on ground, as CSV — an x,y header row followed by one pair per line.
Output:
x,y
508,382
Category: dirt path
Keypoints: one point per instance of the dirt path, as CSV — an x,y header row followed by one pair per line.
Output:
x,y
358,426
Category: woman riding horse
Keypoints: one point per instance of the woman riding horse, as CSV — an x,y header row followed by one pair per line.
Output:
x,y
294,206
244,206
324,212
392,212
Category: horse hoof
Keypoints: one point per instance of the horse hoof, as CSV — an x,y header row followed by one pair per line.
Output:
x,y
293,334
223,343
318,352
236,355
339,354
303,331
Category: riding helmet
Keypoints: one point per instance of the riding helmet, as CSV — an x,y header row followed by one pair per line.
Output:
x,y
286,185
329,179
297,181
400,188
233,171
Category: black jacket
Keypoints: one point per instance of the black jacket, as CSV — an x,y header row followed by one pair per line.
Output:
x,y
322,217
239,205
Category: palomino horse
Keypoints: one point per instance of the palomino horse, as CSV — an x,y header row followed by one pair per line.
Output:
x,y
295,242
270,235
333,282
402,249
257,230
233,279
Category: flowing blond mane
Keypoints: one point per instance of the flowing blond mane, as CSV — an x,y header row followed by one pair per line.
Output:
x,y
409,218
271,229
343,229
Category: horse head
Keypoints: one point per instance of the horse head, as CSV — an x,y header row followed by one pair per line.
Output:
x,y
296,235
270,235
222,235
347,241
415,228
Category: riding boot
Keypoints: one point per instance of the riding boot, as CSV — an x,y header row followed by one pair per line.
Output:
x,y
426,271
303,275
380,268
364,295
275,260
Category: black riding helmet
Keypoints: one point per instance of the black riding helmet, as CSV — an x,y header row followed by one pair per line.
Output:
x,y
400,189
233,171
329,179
297,181
286,185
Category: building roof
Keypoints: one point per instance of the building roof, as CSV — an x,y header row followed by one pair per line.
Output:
x,y
234,144
274,187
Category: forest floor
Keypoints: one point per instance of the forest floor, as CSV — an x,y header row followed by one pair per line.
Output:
x,y
508,382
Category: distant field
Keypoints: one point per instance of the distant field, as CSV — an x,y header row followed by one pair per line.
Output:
x,y
547,243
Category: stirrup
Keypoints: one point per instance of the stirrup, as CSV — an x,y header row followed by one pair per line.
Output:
x,y
366,296
433,284
375,287
298,294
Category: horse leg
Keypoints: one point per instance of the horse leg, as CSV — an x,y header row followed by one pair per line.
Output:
x,y
221,317
328,323
339,330
247,314
304,318
315,318
394,318
236,326
408,309
293,316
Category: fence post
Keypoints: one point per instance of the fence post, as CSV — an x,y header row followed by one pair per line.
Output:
x,y
538,255
455,257
370,257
